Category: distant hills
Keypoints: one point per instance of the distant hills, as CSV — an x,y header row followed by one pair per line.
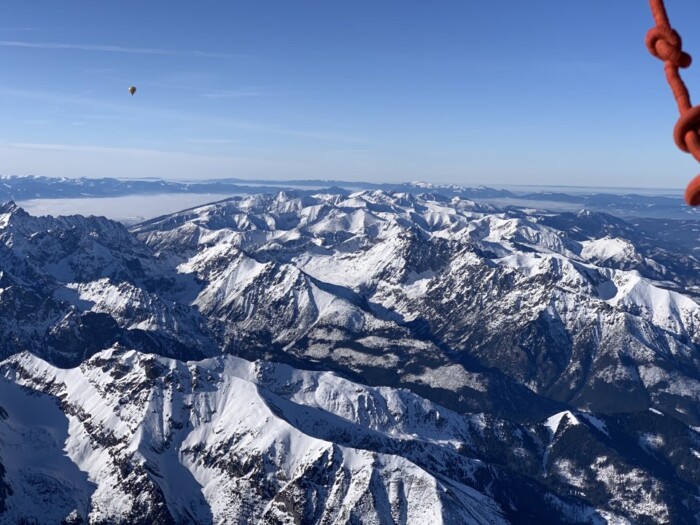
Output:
x,y
628,204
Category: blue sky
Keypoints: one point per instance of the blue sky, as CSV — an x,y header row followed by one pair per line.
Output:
x,y
469,92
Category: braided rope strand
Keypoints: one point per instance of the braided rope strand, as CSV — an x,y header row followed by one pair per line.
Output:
x,y
665,43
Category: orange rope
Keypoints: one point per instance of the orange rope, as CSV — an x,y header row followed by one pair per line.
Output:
x,y
665,44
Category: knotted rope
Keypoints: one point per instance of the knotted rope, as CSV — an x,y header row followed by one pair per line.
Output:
x,y
665,44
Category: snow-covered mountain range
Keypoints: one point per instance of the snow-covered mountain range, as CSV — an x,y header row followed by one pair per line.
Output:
x,y
660,203
464,364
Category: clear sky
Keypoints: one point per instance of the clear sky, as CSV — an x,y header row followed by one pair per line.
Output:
x,y
464,91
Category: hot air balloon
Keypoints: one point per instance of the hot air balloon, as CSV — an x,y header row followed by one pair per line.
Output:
x,y
132,90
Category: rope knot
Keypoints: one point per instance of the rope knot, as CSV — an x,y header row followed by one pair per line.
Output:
x,y
665,43
686,134
692,192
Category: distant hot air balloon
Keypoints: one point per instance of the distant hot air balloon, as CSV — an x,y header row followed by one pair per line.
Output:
x,y
132,90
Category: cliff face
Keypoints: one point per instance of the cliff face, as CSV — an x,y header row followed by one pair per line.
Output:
x,y
468,365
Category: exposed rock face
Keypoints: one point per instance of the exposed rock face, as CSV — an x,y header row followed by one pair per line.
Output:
x,y
132,438
522,367
579,310
72,286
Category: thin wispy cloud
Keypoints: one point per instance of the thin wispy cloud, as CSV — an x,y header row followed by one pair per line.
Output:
x,y
103,116
224,93
35,121
211,141
179,115
73,148
102,71
115,49
211,93
108,150
55,159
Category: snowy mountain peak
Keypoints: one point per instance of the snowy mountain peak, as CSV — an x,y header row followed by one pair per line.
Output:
x,y
209,441
8,207
340,358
